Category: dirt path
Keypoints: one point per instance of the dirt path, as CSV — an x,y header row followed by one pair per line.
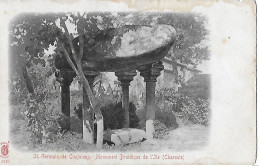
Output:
x,y
181,139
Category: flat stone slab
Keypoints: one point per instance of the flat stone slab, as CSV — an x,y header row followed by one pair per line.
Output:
x,y
123,48
124,136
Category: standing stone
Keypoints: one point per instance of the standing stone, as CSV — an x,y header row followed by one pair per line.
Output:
x,y
150,73
87,112
125,77
65,77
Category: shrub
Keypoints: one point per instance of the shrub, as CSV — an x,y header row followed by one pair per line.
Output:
x,y
63,123
113,115
78,110
42,107
160,130
196,111
133,118
172,105
42,122
167,117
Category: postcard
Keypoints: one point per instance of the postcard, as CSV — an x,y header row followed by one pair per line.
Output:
x,y
128,82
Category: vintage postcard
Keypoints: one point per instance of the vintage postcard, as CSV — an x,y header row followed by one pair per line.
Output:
x,y
128,82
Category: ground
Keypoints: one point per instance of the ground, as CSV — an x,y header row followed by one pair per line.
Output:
x,y
184,138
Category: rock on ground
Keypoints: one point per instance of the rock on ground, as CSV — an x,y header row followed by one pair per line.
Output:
x,y
124,136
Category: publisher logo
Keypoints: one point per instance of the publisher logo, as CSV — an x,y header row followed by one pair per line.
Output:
x,y
4,149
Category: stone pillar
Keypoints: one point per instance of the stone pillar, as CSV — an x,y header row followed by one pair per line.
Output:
x,y
87,112
150,73
65,77
125,77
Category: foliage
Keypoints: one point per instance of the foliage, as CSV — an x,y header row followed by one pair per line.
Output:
x,y
42,123
133,118
167,117
63,123
197,87
196,111
41,107
113,115
160,130
183,107
78,110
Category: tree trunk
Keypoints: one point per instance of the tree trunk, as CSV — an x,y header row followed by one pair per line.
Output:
x,y
88,129
79,72
28,81
94,106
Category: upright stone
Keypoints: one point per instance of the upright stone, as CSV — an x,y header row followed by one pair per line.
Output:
x,y
65,77
150,73
87,112
125,77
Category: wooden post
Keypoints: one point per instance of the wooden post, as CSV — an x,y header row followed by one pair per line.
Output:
x,y
87,112
150,73
125,77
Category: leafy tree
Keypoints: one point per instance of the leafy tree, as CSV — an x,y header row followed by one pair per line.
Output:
x,y
37,33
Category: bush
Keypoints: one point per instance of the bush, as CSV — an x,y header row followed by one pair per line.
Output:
x,y
160,130
113,115
196,111
172,105
42,122
78,110
167,117
42,108
133,118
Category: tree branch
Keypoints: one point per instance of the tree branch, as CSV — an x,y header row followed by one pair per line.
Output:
x,y
81,43
79,72
69,59
68,37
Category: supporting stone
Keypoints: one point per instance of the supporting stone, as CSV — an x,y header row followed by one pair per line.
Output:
x,y
65,77
125,77
87,112
150,73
